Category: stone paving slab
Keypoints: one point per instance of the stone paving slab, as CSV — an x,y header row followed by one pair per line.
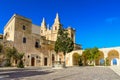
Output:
x,y
74,73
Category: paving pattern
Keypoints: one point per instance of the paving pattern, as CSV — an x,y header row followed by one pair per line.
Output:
x,y
73,73
116,69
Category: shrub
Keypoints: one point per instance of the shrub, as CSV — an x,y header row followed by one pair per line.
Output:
x,y
7,63
20,64
107,62
80,61
20,61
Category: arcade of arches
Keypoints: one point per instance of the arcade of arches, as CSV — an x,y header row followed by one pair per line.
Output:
x,y
110,56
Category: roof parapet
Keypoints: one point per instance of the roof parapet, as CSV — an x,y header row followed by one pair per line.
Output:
x,y
16,15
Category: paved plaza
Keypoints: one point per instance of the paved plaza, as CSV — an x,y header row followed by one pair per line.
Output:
x,y
72,73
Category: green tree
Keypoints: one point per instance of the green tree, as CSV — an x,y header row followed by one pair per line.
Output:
x,y
20,61
11,54
63,43
91,54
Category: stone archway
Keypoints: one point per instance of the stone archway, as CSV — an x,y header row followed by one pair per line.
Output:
x,y
75,59
113,57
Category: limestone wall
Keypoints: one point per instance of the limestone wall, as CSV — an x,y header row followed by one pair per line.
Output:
x,y
9,30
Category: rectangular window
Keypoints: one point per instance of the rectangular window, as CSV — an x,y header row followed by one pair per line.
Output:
x,y
24,40
24,27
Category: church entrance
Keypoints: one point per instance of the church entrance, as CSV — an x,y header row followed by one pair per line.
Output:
x,y
32,61
45,61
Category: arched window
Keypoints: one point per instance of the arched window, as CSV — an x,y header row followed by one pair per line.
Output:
x,y
37,44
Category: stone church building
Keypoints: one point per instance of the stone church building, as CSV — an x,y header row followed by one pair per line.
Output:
x,y
37,42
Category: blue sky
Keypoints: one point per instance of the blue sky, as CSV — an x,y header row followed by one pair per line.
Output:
x,y
97,22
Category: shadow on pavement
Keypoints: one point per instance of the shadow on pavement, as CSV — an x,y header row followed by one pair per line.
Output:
x,y
23,73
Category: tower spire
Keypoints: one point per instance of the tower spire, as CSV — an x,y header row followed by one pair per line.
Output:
x,y
57,19
57,15
43,24
43,21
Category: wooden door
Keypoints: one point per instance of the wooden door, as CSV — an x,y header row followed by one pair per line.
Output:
x,y
32,61
45,61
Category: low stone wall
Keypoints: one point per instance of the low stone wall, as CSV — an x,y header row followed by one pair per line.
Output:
x,y
58,65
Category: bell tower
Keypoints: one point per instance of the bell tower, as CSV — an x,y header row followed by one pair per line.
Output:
x,y
55,27
56,24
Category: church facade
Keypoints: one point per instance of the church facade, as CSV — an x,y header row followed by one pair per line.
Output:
x,y
37,42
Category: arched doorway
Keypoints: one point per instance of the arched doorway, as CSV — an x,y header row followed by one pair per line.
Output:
x,y
75,58
32,61
114,61
113,56
102,62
